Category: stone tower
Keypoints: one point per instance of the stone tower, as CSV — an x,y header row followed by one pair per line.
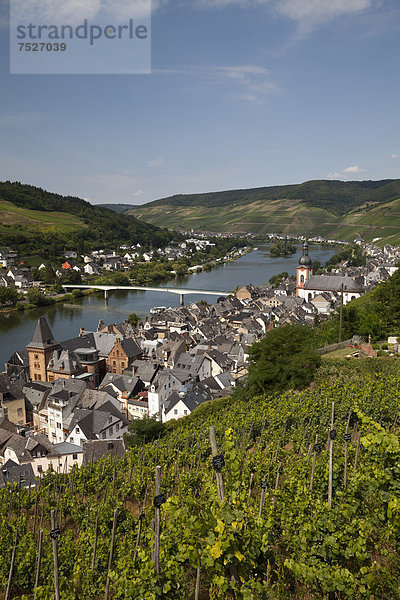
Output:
x,y
40,350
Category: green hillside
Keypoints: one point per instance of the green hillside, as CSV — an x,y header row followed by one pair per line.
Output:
x,y
36,220
33,219
270,534
330,208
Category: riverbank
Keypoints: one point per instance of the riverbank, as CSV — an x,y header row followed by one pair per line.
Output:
x,y
48,300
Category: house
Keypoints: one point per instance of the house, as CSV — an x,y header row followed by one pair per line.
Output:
x,y
70,455
13,404
13,473
183,402
70,254
103,423
61,404
124,386
122,355
94,450
162,386
196,367
91,269
35,450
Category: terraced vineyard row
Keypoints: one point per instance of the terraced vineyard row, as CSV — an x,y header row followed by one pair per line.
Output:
x,y
294,505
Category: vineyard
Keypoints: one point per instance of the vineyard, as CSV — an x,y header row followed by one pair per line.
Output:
x,y
294,496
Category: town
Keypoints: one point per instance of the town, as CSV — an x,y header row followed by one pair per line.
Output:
x,y
66,402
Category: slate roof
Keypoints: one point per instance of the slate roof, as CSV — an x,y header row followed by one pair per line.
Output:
x,y
64,448
192,399
64,360
42,337
94,450
11,472
332,283
130,347
10,390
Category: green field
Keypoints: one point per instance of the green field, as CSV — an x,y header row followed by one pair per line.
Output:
x,y
17,218
280,216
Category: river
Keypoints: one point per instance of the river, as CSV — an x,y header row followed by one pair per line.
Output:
x,y
16,328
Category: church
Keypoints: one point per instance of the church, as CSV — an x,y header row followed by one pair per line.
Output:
x,y
308,285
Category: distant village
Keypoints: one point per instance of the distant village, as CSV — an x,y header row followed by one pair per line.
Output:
x,y
69,402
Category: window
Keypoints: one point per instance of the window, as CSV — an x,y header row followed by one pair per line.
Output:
x,y
36,356
185,412
58,425
111,430
76,429
53,434
110,446
71,440
122,365
103,435
19,412
109,419
40,469
51,422
302,279
74,457
117,427
175,411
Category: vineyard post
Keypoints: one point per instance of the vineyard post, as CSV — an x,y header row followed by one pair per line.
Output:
x,y
251,484
218,475
39,558
10,573
357,451
96,531
331,438
346,441
262,499
313,463
54,541
111,553
198,575
157,520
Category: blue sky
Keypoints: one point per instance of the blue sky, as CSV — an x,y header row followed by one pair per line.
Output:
x,y
243,93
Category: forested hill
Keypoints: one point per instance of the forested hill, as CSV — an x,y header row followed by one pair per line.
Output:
x,y
339,209
118,208
336,196
32,216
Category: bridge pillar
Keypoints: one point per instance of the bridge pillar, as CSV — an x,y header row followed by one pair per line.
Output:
x,y
182,299
105,294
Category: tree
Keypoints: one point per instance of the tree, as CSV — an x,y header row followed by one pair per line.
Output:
x,y
147,429
133,319
8,295
284,359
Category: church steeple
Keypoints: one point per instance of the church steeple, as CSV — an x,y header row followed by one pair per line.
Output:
x,y
304,270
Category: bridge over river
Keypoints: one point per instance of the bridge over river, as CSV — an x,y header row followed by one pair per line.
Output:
x,y
180,291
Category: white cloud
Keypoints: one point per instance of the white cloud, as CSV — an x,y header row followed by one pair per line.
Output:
x,y
305,12
394,156
138,193
157,162
355,169
248,82
74,11
317,11
333,176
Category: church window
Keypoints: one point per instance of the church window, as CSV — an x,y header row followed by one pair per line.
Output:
x,y
302,279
